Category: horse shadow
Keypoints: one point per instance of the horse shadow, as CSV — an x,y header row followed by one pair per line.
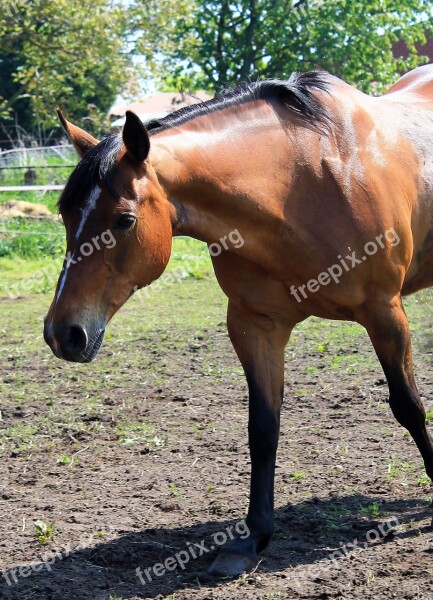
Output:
x,y
308,534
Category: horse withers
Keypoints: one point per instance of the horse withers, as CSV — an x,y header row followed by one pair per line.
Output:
x,y
332,193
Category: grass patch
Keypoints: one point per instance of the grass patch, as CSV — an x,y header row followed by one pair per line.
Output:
x,y
297,475
337,519
399,469
32,264
19,437
372,510
34,238
129,434
44,532
20,277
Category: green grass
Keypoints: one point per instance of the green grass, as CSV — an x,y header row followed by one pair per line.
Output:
x,y
31,239
298,475
372,510
336,518
44,532
20,277
400,469
129,434
176,491
32,270
19,437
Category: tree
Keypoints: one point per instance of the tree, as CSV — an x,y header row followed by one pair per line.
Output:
x,y
68,53
218,43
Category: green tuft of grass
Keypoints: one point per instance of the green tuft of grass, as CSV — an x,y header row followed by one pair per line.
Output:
x,y
372,510
44,532
424,480
336,519
398,468
175,490
428,416
18,437
130,433
297,475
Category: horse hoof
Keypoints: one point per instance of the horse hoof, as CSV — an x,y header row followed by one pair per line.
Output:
x,y
228,564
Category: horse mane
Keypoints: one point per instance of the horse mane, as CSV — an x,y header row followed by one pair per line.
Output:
x,y
296,95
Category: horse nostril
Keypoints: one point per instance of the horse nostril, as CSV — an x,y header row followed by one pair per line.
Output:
x,y
74,339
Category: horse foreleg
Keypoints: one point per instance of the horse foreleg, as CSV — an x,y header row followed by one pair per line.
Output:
x,y
388,329
259,342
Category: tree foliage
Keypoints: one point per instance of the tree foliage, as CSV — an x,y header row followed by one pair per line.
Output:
x,y
68,53
79,53
218,43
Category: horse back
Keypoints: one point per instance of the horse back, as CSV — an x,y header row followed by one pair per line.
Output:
x,y
418,82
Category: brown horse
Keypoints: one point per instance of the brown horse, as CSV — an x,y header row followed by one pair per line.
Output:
x,y
332,193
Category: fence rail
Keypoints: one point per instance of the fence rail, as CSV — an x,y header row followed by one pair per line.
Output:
x,y
30,188
49,149
37,169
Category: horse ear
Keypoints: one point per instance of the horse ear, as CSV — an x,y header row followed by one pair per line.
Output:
x,y
135,138
82,141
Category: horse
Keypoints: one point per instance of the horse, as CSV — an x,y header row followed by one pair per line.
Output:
x,y
331,191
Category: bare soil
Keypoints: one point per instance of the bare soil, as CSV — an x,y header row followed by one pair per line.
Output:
x,y
120,499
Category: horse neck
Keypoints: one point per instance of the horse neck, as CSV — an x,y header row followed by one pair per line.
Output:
x,y
213,172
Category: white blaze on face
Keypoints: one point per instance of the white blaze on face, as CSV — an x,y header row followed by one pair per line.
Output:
x,y
90,206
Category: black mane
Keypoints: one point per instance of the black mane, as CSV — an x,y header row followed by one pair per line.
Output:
x,y
296,94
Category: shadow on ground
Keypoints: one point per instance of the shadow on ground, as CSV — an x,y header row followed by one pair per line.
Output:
x,y
306,533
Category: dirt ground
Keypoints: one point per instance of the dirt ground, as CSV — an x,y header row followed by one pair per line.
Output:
x,y
119,496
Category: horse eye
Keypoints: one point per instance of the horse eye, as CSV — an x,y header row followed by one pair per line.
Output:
x,y
124,221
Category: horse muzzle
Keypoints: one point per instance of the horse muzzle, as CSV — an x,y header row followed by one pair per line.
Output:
x,y
75,343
